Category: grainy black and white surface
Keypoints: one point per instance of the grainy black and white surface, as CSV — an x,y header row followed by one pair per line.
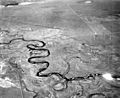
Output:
x,y
59,48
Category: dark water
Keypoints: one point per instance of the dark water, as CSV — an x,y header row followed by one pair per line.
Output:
x,y
9,3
